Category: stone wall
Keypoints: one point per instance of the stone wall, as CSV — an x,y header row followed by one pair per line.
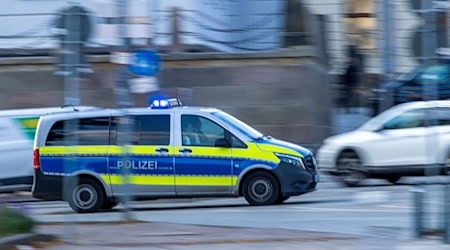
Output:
x,y
285,94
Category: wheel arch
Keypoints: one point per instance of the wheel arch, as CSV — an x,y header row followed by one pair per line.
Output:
x,y
95,177
254,170
359,153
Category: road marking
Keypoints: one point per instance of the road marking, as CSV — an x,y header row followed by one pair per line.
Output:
x,y
371,197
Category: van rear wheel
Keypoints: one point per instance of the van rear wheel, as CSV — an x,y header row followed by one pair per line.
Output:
x,y
86,196
282,199
261,188
108,205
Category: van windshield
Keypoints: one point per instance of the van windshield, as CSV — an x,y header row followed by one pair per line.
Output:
x,y
238,125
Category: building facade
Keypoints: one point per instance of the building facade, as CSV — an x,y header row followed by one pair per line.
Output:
x,y
226,26
363,24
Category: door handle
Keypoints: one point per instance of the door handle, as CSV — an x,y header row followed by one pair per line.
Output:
x,y
162,150
185,150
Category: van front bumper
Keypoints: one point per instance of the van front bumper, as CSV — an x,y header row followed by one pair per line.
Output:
x,y
295,180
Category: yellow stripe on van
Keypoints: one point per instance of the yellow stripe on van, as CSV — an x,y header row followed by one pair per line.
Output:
x,y
185,180
138,150
205,151
140,179
253,152
116,150
278,149
81,150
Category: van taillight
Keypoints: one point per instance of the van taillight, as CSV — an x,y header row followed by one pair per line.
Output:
x,y
36,159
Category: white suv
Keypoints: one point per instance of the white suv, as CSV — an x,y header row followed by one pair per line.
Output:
x,y
410,139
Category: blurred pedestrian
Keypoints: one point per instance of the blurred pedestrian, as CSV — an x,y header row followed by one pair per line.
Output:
x,y
351,78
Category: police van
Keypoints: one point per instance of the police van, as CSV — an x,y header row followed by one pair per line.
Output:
x,y
17,128
163,151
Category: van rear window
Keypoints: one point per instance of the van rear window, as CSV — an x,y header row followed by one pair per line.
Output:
x,y
85,131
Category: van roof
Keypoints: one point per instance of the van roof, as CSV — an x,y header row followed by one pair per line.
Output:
x,y
130,111
44,111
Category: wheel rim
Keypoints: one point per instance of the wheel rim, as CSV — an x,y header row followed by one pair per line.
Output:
x,y
348,166
260,189
85,196
349,163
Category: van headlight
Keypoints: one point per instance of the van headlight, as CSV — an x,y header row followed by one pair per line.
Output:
x,y
291,159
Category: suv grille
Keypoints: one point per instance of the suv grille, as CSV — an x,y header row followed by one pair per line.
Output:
x,y
310,163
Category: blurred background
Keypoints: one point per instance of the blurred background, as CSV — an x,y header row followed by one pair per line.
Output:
x,y
295,69
298,70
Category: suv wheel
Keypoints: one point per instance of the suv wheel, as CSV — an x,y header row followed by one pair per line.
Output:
x,y
349,167
261,188
86,196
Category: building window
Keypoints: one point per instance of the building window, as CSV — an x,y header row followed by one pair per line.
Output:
x,y
361,23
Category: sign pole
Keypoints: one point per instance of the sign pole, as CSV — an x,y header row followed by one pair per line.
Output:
x,y
124,101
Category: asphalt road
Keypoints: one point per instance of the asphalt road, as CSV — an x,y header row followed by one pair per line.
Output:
x,y
374,209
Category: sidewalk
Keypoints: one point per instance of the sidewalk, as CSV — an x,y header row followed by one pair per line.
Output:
x,y
145,235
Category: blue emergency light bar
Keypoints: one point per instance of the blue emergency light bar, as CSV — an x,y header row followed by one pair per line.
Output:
x,y
164,103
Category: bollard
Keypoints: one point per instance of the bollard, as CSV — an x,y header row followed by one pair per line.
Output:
x,y
419,214
446,213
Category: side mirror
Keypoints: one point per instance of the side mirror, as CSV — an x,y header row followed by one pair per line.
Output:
x,y
222,143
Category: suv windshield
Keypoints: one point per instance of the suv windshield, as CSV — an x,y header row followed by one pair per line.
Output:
x,y
237,124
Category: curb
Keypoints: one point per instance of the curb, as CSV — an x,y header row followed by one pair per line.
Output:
x,y
24,239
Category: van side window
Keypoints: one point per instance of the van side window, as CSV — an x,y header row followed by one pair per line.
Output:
x,y
236,143
200,131
85,131
145,130
153,129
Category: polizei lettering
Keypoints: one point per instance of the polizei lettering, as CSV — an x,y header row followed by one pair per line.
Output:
x,y
138,165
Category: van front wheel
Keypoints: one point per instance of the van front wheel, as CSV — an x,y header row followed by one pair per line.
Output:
x,y
86,196
261,188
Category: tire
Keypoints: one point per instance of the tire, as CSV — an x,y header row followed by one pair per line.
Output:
x,y
108,205
87,196
349,167
393,179
282,199
261,188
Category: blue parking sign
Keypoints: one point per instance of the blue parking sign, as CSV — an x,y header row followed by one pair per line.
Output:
x,y
144,63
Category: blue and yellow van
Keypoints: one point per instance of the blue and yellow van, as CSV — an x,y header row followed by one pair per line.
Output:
x,y
93,158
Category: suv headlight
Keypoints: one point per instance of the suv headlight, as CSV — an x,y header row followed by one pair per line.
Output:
x,y
291,159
